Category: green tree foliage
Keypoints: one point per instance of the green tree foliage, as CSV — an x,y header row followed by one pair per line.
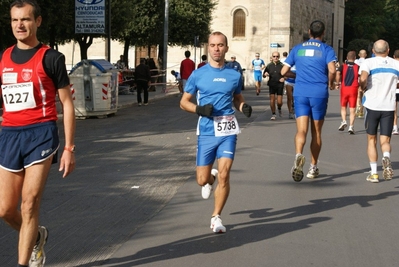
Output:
x,y
6,36
359,44
365,22
366,18
136,22
392,24
187,18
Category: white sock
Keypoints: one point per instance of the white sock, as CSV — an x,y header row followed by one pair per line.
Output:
x,y
387,154
373,166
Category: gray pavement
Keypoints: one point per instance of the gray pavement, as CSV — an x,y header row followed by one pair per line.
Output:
x,y
133,201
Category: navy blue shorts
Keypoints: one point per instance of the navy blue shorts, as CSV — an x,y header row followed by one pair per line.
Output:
x,y
21,147
211,147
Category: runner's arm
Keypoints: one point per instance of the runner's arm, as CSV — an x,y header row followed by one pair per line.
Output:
x,y
186,104
67,162
331,74
363,80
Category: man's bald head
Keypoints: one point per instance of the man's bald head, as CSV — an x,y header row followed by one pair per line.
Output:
x,y
363,53
381,47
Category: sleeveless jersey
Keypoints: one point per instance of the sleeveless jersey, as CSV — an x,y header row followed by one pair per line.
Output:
x,y
350,76
28,93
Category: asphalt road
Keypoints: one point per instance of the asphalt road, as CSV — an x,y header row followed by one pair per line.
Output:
x,y
133,200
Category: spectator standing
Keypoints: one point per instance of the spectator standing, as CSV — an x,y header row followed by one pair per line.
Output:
x,y
359,106
258,65
395,121
275,83
284,57
233,64
347,79
378,80
289,86
217,88
177,78
315,74
120,64
154,74
204,59
142,77
29,139
187,66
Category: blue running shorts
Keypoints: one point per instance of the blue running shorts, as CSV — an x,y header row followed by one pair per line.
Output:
x,y
211,147
22,147
314,108
257,76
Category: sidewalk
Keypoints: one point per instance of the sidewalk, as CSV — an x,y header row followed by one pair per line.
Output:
x,y
130,99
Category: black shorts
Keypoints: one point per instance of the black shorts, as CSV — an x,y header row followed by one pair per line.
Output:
x,y
276,89
375,118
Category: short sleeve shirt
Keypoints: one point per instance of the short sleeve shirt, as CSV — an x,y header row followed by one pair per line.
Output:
x,y
214,86
381,83
311,59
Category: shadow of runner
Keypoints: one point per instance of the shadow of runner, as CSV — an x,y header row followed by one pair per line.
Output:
x,y
211,243
317,206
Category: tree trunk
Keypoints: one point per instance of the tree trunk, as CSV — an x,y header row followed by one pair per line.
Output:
x,y
84,43
126,54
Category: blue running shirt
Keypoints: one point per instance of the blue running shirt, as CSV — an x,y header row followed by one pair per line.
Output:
x,y
311,59
215,86
257,63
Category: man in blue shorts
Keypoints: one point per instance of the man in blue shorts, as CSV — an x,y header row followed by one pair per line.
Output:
x,y
258,65
378,81
216,88
315,74
29,138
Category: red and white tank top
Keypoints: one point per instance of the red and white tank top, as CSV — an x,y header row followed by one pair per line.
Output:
x,y
28,93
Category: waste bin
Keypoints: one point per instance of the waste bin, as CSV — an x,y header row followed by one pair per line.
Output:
x,y
94,85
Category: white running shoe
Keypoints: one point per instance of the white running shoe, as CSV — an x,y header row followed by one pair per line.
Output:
x,y
395,131
273,118
297,169
351,130
342,126
207,189
216,225
38,257
387,168
313,172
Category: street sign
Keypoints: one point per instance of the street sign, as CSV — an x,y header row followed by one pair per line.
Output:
x,y
276,45
90,16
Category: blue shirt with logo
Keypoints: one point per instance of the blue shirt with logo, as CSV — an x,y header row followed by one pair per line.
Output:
x,y
216,86
311,60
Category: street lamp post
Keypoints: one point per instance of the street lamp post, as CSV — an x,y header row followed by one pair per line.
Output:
x,y
109,31
165,42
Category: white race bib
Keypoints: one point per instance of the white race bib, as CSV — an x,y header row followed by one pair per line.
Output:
x,y
18,96
226,125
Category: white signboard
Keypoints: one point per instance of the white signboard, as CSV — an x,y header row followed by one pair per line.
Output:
x,y
90,16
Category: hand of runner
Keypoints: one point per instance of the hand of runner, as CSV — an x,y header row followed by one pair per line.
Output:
x,y
246,109
205,110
